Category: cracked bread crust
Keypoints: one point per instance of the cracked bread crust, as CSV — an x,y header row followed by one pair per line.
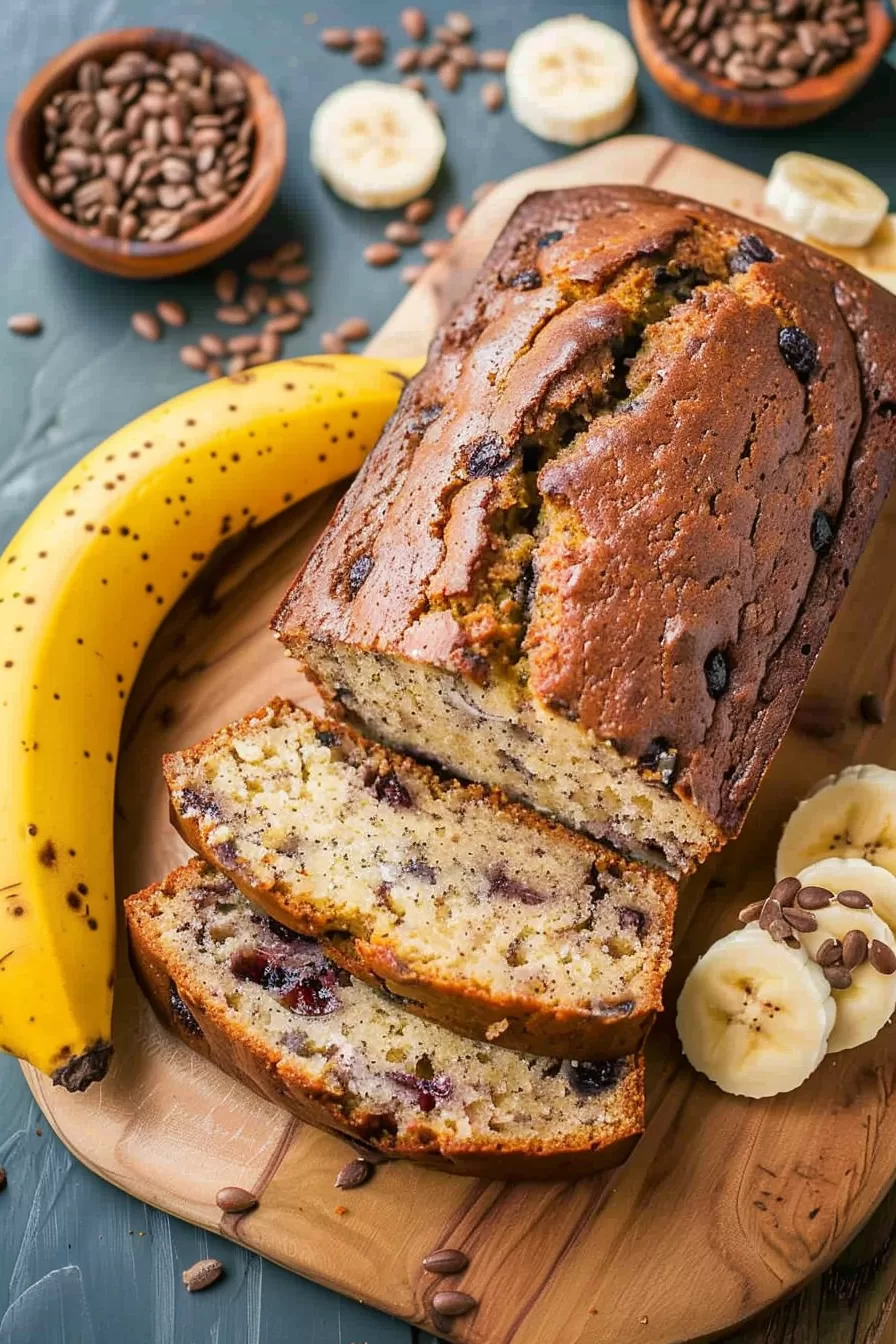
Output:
x,y
337,1075
476,913
616,486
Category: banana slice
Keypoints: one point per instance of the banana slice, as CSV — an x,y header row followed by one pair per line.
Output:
x,y
869,1002
826,200
755,1015
377,145
572,80
838,875
849,816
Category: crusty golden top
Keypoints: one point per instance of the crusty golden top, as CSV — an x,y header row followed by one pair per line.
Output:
x,y
641,460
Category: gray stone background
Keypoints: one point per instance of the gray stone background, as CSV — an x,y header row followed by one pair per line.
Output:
x,y
80,1262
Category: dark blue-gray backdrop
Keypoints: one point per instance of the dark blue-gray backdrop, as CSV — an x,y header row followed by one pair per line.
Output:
x,y
80,1262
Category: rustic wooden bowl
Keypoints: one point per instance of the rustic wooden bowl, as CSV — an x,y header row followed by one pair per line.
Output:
x,y
720,100
145,260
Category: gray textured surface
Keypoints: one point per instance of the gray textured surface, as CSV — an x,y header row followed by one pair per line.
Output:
x,y
80,1262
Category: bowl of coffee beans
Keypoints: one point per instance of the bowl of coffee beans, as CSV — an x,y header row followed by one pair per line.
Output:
x,y
146,152
761,62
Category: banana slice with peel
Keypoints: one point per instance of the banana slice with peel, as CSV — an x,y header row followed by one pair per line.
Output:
x,y
824,200
850,815
83,587
377,145
755,1015
868,1003
572,80
836,875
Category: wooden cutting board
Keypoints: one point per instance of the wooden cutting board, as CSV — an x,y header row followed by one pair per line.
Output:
x,y
725,1205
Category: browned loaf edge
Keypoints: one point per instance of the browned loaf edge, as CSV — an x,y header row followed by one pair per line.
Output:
x,y
532,1027
244,1055
716,555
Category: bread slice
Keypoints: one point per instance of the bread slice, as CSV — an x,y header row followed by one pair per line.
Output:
x,y
266,1006
478,913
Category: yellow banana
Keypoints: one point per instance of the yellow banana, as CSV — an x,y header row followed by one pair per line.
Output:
x,y
83,587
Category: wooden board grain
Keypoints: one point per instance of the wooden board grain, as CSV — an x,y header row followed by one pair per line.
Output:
x,y
725,1206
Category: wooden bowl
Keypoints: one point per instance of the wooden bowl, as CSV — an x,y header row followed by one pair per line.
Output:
x,y
721,100
145,260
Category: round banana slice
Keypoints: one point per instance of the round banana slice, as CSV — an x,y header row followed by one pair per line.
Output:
x,y
838,875
377,145
825,200
869,1002
572,80
755,1015
849,816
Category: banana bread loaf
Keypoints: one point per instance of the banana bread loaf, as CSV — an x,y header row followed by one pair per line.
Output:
x,y
265,1004
596,551
480,914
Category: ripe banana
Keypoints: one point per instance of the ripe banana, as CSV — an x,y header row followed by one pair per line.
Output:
x,y
824,200
755,1015
850,815
868,1003
83,587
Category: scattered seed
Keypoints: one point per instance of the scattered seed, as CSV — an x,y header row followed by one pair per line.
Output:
x,y
838,977
401,232
284,324
854,900
882,957
275,305
855,949
255,297
434,247
381,254
354,1173
492,95
445,1261
337,39
802,920
459,23
194,357
830,952
464,56
212,344
451,1303
872,709
411,274
233,314
450,75
494,60
236,364
814,898
172,312
233,1199
214,370
263,268
406,60
413,21
25,324
368,53
750,912
353,329
297,301
419,211
294,274
331,344
227,284
147,326
243,345
202,1275
288,252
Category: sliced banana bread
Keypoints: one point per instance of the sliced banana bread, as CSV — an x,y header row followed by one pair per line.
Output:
x,y
266,1005
596,550
479,913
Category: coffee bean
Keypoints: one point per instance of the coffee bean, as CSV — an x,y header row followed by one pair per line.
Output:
x,y
227,284
401,232
406,60
786,891
353,329
275,306
243,345
25,324
233,314
369,53
838,977
255,296
281,326
751,912
381,254
829,953
495,60
202,1275
337,39
331,344
293,274
354,1173
855,949
445,1261
882,957
419,211
814,898
236,365
213,371
872,709
459,23
700,52
212,344
451,1303
297,301
413,21
431,57
172,312
802,920
194,357
492,96
146,325
854,900
450,76
233,1199
446,35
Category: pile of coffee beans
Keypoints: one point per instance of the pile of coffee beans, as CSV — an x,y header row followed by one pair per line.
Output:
x,y
146,149
763,44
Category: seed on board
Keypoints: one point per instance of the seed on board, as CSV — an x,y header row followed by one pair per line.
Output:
x,y
872,709
434,247
297,301
194,357
331,344
227,284
431,57
294,274
353,329
402,232
236,364
495,60
413,21
172,312
368,53
855,948
233,314
381,254
354,1173
287,252
450,75
337,39
202,1275
406,60
243,345
284,324
233,1199
455,217
451,1303
492,95
464,56
459,23
25,324
419,211
146,325
447,1260
275,305
212,344
214,370
255,296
